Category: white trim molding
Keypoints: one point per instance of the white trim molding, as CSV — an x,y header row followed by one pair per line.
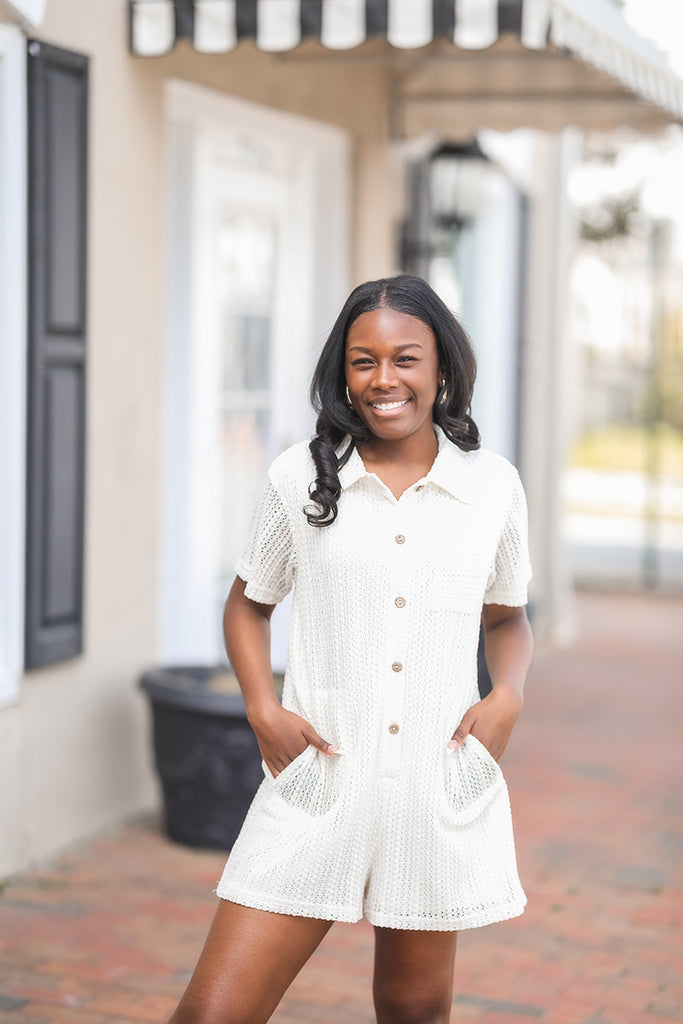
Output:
x,y
12,356
29,14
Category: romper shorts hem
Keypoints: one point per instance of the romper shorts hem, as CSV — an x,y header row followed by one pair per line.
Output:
x,y
475,919
492,915
261,901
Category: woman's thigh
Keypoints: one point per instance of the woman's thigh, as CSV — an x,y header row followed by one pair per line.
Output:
x,y
249,959
413,982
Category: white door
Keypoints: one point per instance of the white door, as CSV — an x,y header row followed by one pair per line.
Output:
x,y
256,201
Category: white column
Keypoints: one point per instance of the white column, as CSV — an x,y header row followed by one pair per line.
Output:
x,y
545,393
12,357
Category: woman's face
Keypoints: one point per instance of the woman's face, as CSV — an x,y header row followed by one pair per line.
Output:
x,y
392,372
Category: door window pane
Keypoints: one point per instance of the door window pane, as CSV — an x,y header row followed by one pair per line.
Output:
x,y
247,243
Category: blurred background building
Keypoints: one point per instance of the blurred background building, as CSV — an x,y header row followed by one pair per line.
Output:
x,y
624,486
188,190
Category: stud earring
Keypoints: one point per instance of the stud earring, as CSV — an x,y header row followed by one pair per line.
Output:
x,y
348,397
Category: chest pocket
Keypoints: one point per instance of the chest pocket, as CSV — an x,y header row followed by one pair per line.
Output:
x,y
458,558
456,588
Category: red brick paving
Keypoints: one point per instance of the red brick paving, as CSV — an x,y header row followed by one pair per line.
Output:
x,y
109,933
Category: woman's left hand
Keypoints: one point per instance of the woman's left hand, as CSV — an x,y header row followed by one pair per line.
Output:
x,y
508,644
491,720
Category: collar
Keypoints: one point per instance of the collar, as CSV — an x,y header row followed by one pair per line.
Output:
x,y
451,471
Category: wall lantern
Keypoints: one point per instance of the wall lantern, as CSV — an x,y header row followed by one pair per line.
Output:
x,y
460,181
447,189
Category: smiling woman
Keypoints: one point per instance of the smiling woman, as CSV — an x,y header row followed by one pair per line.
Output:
x,y
382,796
392,381
407,347
392,373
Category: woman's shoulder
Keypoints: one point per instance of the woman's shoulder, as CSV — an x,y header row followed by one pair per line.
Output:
x,y
486,460
477,460
487,471
293,466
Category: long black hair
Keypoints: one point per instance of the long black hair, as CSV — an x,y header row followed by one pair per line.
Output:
x,y
336,419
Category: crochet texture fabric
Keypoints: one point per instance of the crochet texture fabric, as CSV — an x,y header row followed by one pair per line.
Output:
x,y
382,661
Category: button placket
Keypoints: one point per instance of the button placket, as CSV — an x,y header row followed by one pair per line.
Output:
x,y
397,615
397,632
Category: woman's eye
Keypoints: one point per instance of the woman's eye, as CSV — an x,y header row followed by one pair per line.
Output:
x,y
406,359
361,362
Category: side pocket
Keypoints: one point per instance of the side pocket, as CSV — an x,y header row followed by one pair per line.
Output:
x,y
310,783
288,770
472,777
484,753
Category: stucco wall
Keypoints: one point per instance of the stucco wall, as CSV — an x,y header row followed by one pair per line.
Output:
x,y
75,745
74,752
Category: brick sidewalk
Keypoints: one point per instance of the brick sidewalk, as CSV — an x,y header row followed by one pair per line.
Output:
x,y
109,933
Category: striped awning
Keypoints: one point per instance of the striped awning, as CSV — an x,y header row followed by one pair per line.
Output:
x,y
572,54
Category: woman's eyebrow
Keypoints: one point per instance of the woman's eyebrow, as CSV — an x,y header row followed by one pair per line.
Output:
x,y
398,348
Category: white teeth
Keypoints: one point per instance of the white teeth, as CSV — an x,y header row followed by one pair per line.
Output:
x,y
389,405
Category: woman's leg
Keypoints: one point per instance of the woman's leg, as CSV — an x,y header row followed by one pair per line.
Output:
x,y
249,959
413,981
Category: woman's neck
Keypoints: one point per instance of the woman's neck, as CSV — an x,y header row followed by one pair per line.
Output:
x,y
400,463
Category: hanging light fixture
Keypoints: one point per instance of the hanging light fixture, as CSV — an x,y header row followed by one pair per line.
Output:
x,y
460,178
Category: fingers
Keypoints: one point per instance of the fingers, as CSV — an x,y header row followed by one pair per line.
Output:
x,y
491,726
313,740
461,733
284,738
320,744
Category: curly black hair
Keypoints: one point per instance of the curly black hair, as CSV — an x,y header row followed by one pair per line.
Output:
x,y
337,420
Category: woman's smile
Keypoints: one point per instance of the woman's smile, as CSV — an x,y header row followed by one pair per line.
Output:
x,y
392,373
384,406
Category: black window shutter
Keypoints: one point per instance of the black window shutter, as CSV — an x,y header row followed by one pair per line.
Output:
x,y
57,207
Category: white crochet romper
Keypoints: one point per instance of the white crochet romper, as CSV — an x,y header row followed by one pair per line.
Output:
x,y
383,663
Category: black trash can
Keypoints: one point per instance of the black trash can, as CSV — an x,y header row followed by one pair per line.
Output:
x,y
205,752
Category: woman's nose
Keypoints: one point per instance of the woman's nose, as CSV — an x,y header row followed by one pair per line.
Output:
x,y
385,375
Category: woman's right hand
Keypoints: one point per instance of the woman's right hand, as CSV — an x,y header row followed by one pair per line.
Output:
x,y
282,735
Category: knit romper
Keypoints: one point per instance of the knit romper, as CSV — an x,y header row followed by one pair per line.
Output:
x,y
382,662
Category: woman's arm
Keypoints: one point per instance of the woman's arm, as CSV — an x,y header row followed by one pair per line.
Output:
x,y
281,734
508,643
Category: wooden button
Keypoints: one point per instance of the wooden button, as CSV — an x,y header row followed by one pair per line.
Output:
x,y
400,602
393,729
397,666
399,538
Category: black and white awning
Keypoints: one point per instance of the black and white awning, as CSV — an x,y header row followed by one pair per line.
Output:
x,y
216,26
589,52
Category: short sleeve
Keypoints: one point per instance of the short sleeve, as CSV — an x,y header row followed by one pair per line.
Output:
x,y
511,570
267,560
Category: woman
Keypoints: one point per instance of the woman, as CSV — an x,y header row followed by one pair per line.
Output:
x,y
382,794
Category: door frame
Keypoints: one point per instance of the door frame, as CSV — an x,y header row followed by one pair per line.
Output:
x,y
13,315
200,122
